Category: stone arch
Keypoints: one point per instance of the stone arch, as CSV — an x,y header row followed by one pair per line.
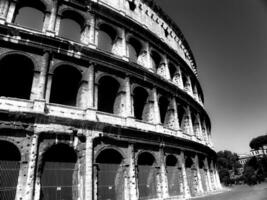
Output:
x,y
172,70
59,172
110,174
191,174
163,107
156,59
72,24
107,36
134,48
10,158
147,175
30,14
174,175
108,92
61,80
140,99
16,75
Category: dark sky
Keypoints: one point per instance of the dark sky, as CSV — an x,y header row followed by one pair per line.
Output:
x,y
229,41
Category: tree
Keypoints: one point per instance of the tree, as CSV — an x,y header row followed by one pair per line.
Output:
x,y
258,142
227,162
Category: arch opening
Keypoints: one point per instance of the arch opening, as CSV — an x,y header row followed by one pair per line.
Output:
x,y
71,26
172,70
108,89
30,15
16,76
110,177
9,170
106,37
156,60
134,49
173,175
140,97
59,173
163,108
64,91
147,176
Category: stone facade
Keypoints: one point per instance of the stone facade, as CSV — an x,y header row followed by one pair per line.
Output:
x,y
117,113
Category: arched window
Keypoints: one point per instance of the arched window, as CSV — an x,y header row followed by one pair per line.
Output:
x,y
181,115
191,175
9,170
108,89
173,175
16,75
71,26
134,49
30,15
156,60
163,108
140,97
147,176
106,37
172,70
59,173
65,85
110,177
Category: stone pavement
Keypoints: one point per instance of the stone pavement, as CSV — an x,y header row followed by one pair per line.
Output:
x,y
243,192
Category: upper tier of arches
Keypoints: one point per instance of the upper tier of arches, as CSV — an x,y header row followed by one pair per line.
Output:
x,y
55,19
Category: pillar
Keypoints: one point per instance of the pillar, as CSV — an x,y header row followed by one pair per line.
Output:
x,y
218,179
175,119
189,123
92,37
86,91
204,132
11,11
200,186
199,128
30,183
128,99
156,107
163,175
48,87
177,78
85,35
43,74
3,10
50,30
132,173
89,183
208,175
185,183
188,86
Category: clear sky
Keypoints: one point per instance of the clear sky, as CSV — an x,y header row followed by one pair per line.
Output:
x,y
229,41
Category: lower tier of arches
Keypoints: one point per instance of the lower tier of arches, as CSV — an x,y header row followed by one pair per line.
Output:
x,y
63,163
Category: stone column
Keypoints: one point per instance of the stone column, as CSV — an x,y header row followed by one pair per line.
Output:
x,y
218,179
124,45
199,129
92,40
156,107
48,87
185,183
50,30
200,186
208,175
128,99
132,174
163,69
3,10
177,78
11,11
213,178
43,74
85,35
89,181
163,175
188,86
86,91
175,125
204,132
189,127
30,183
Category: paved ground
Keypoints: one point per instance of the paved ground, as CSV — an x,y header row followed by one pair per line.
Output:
x,y
244,192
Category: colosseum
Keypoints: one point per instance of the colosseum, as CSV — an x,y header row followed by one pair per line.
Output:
x,y
100,100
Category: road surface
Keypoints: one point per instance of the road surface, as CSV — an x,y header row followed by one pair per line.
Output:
x,y
244,192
